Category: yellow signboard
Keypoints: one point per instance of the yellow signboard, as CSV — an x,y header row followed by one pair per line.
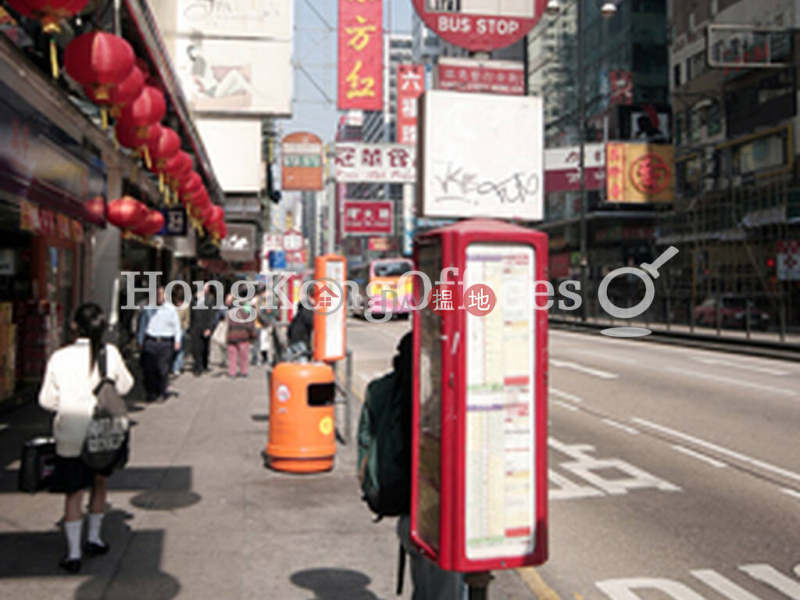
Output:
x,y
640,173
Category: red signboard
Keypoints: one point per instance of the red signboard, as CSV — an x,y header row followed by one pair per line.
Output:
x,y
480,25
367,218
360,54
410,85
466,75
621,83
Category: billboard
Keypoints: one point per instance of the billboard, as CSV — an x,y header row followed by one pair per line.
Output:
x,y
481,76
500,177
367,218
240,244
640,173
480,25
410,85
301,162
360,68
240,171
375,163
562,173
232,58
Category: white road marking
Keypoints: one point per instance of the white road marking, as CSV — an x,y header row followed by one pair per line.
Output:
x,y
605,355
742,366
565,395
583,369
736,382
793,493
719,449
723,585
711,461
571,407
625,428
774,579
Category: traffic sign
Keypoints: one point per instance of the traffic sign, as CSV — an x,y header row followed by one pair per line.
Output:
x,y
480,25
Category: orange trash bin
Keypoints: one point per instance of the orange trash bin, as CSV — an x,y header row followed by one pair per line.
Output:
x,y
301,418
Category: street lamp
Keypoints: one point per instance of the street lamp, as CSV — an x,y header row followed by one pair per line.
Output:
x,y
607,10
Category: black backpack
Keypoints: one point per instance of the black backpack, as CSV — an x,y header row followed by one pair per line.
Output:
x,y
106,444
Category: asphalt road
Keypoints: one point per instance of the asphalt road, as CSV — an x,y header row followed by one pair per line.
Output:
x,y
674,472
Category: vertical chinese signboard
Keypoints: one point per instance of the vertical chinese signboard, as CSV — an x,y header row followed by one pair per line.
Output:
x,y
410,85
301,163
360,54
640,173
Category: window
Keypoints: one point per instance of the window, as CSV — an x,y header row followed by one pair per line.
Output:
x,y
691,21
678,129
676,75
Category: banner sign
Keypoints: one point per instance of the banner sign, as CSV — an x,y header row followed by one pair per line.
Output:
x,y
301,160
360,72
240,244
375,163
640,173
479,76
788,263
480,25
174,222
621,84
410,85
562,172
367,218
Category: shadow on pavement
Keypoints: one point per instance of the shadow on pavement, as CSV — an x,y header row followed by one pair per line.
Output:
x,y
334,584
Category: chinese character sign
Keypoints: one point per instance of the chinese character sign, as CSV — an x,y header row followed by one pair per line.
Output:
x,y
485,77
367,218
360,54
410,85
640,173
375,163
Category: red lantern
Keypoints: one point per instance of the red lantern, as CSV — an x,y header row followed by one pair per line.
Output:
x,y
191,184
97,208
152,224
49,12
148,108
134,137
179,166
99,61
198,199
127,91
164,148
126,212
215,215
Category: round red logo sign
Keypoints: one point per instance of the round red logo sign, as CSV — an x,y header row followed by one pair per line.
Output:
x,y
650,174
480,25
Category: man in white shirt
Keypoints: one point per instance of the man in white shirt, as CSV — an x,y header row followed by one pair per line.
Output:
x,y
159,338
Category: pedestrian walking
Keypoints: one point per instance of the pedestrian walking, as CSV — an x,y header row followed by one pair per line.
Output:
x,y
71,376
184,309
203,319
159,337
266,318
241,332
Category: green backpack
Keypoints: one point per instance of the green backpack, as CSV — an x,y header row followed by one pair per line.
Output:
x,y
384,447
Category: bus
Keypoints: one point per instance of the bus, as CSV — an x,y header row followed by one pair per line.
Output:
x,y
378,282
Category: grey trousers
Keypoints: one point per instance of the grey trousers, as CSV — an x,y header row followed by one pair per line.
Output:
x,y
429,581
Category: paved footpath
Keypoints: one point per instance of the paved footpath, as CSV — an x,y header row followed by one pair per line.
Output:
x,y
196,515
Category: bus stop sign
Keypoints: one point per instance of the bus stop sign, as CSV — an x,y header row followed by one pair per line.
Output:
x,y
480,25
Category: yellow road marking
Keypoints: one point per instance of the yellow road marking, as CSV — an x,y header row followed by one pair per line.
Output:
x,y
537,585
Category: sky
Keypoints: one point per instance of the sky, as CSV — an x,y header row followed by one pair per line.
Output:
x,y
315,62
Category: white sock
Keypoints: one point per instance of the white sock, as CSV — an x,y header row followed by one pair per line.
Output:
x,y
95,523
72,529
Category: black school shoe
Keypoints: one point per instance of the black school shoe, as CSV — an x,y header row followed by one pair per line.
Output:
x,y
70,565
92,549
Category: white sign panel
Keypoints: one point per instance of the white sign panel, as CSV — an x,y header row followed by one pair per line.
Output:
x,y
235,18
240,170
375,163
788,256
500,490
334,329
483,156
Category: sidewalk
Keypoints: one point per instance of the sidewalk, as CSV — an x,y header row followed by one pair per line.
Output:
x,y
196,515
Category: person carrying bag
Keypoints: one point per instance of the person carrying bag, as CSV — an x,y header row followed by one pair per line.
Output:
x,y
82,385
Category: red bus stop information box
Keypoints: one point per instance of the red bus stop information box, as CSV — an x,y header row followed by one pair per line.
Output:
x,y
479,455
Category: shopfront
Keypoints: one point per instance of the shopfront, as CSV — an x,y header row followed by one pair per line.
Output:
x,y
46,177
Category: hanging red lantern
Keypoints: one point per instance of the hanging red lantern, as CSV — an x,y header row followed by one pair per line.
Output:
x,y
147,109
97,208
151,225
127,91
199,199
126,212
179,166
165,147
49,13
215,215
190,184
99,61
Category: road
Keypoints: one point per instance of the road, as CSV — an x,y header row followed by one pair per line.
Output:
x,y
674,472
